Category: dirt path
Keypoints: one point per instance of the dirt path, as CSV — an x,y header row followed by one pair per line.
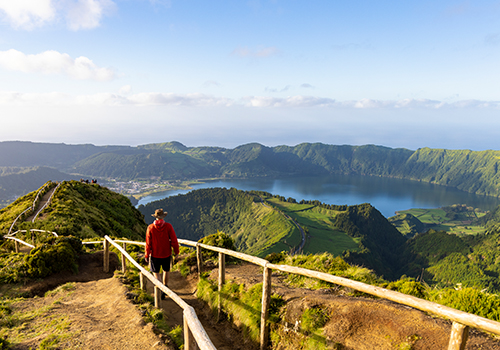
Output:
x,y
42,203
92,313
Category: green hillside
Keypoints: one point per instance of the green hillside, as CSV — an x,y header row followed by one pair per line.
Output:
x,y
443,258
407,223
81,210
255,228
261,223
457,218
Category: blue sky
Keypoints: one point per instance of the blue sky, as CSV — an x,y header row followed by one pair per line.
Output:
x,y
395,73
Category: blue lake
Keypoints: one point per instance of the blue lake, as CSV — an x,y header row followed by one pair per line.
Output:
x,y
387,195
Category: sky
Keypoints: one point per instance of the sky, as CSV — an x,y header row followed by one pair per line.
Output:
x,y
407,74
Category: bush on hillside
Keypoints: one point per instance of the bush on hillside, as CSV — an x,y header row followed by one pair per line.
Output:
x,y
330,264
470,300
47,259
410,286
218,239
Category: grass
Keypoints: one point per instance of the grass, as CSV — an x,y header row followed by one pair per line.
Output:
x,y
322,234
241,305
21,323
145,303
437,219
264,230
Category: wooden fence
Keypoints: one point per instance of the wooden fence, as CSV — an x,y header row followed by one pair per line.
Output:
x,y
195,335
17,240
461,320
32,208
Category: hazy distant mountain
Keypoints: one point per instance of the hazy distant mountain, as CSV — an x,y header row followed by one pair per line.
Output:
x,y
471,171
56,155
16,182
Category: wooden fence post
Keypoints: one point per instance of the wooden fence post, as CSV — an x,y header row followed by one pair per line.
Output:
x,y
189,342
142,280
222,280
199,259
266,300
124,260
106,256
458,336
158,297
16,246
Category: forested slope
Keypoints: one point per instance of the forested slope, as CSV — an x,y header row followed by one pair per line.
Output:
x,y
471,171
255,228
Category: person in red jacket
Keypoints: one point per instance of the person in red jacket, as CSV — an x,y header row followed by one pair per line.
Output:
x,y
160,239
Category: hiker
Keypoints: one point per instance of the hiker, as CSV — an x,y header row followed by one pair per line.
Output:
x,y
160,239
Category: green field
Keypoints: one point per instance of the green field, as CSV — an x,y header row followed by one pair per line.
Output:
x,y
456,219
318,223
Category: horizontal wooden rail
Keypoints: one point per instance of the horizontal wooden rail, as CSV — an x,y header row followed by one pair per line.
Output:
x,y
20,241
400,298
31,230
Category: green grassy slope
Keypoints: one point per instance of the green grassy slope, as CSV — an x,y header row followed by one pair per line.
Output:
x,y
255,228
458,219
80,210
319,226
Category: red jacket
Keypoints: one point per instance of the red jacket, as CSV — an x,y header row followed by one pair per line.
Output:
x,y
160,239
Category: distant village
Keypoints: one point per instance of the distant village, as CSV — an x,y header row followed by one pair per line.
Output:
x,y
138,187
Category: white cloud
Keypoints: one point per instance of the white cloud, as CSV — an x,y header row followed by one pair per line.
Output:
x,y
87,14
124,98
78,14
53,62
195,99
291,101
125,90
27,14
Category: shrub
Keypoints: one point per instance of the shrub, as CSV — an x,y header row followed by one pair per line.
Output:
x,y
219,239
47,259
470,300
408,285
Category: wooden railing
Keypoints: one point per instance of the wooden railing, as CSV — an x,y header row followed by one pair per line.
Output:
x,y
17,240
48,202
32,207
194,332
461,320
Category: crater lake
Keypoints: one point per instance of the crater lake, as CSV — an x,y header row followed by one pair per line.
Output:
x,y
388,195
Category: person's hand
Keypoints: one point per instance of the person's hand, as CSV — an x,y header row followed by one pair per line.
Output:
x,y
147,260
